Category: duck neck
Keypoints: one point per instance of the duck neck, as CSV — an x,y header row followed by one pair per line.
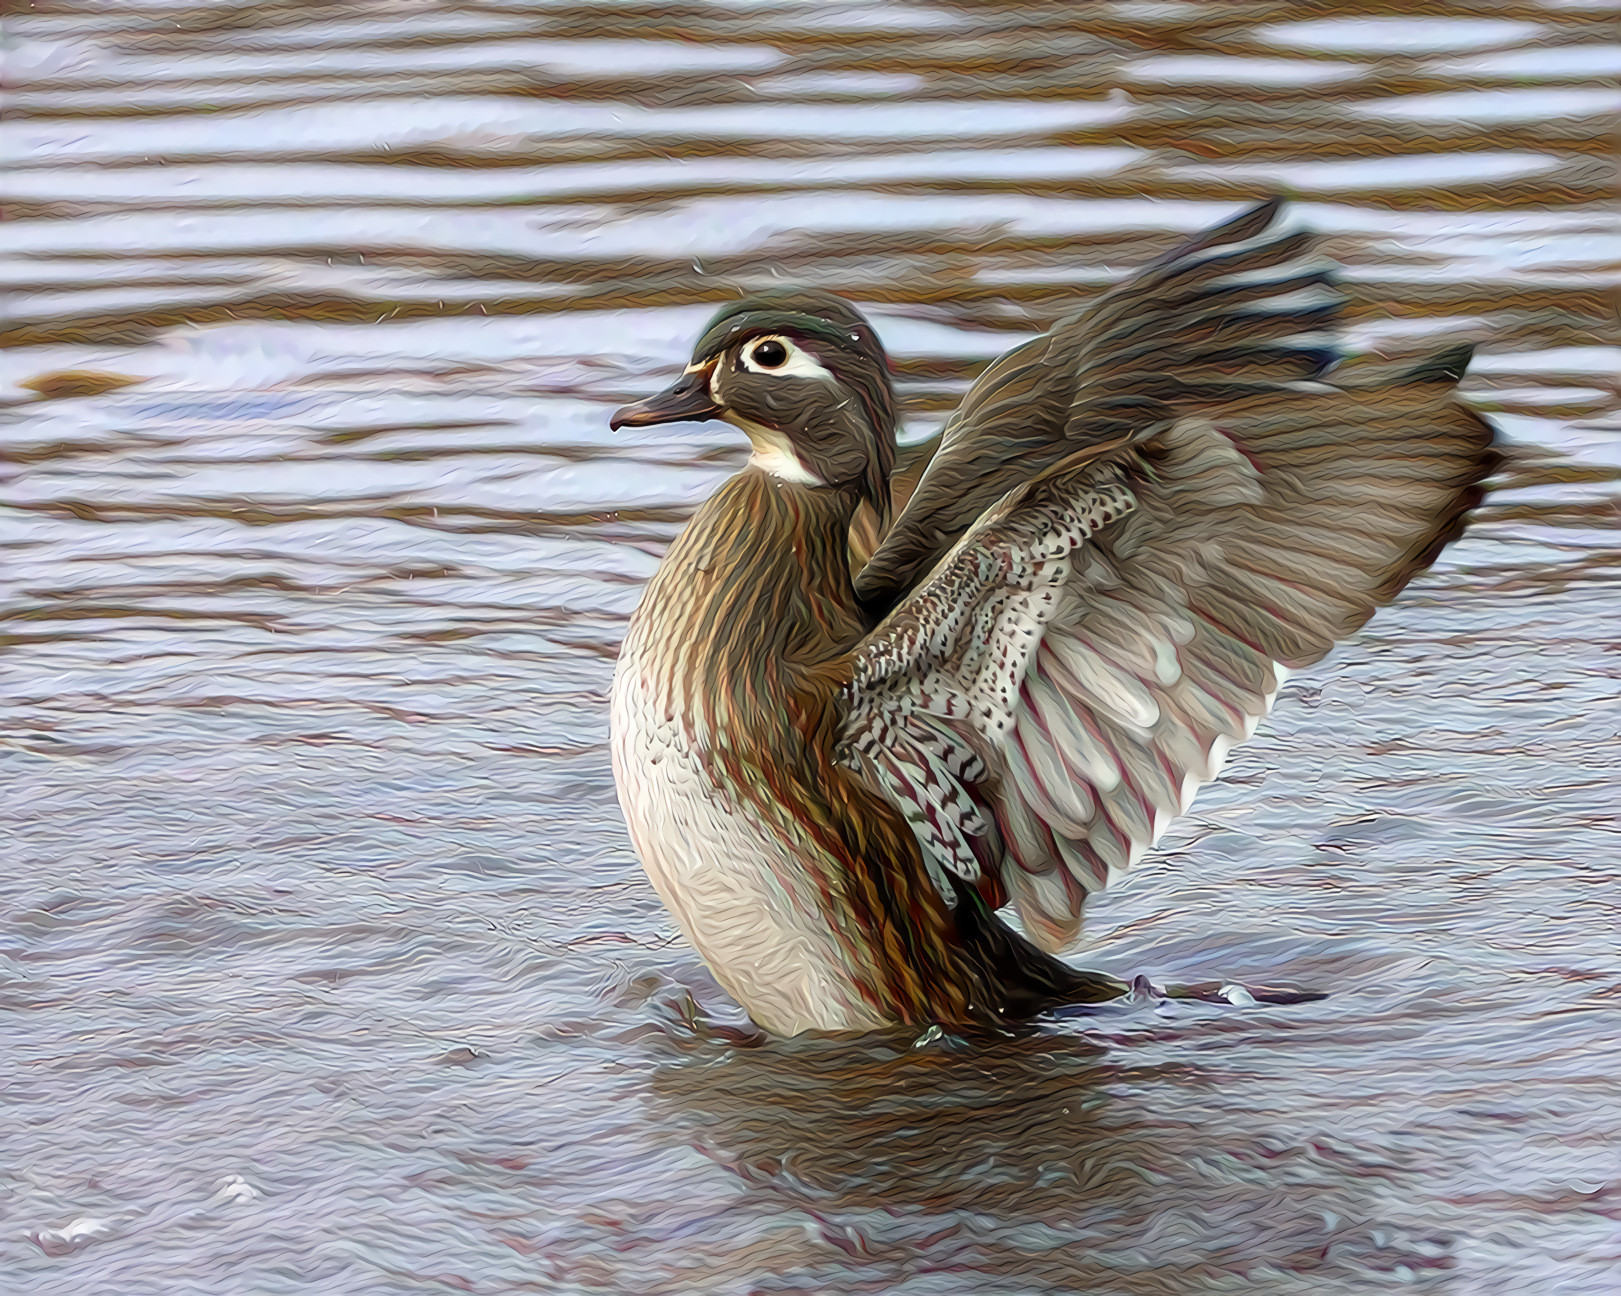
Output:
x,y
753,594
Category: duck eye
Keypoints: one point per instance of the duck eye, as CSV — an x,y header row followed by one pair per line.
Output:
x,y
769,354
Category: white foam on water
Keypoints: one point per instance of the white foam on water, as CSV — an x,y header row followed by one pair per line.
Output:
x,y
1560,61
234,1188
1400,172
1219,69
851,83
1483,107
430,186
262,354
1397,35
558,57
496,125
1597,361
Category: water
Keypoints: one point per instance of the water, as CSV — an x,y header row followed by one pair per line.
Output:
x,y
326,967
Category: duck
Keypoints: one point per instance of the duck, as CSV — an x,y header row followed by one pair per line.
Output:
x,y
885,720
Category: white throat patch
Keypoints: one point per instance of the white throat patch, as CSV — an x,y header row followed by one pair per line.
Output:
x,y
774,455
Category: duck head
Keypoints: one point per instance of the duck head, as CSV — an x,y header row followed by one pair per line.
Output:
x,y
804,376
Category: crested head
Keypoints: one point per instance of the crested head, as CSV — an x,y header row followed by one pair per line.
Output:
x,y
808,311
803,374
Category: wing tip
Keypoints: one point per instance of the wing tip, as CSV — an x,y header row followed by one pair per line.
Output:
x,y
1250,223
1448,366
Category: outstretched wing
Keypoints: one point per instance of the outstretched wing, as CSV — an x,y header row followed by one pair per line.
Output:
x,y
1053,694
1238,310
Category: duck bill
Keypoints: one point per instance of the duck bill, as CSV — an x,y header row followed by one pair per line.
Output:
x,y
688,401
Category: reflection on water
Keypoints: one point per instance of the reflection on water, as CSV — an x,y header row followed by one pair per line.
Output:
x,y
325,962
1021,1159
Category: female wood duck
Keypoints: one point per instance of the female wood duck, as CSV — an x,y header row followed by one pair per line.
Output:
x,y
838,765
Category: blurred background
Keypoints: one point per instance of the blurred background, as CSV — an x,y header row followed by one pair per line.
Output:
x,y
325,965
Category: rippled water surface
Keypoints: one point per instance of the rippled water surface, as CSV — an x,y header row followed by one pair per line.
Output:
x,y
326,967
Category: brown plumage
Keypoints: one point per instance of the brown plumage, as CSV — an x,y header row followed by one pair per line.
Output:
x,y
1128,530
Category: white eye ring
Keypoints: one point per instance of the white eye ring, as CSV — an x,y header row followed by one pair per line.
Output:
x,y
799,364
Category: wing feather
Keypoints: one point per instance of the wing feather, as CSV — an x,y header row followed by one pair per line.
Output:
x,y
1240,309
1087,653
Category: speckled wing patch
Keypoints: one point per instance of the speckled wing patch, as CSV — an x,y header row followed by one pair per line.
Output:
x,y
1056,692
936,690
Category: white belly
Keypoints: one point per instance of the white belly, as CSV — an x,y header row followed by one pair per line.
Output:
x,y
730,882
